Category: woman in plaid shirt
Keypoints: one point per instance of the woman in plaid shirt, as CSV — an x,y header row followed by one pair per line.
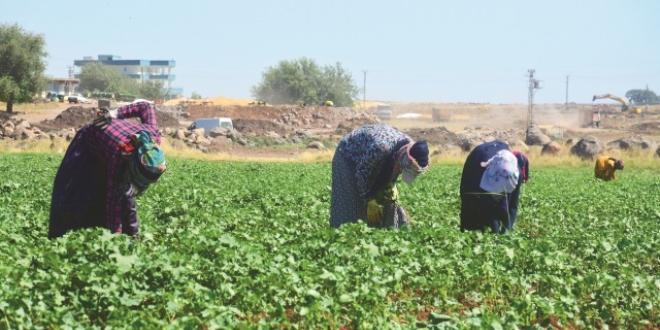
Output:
x,y
107,163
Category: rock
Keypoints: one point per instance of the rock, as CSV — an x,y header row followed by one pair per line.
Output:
x,y
469,144
9,130
23,123
28,134
588,147
234,135
569,142
242,141
518,144
8,123
634,143
535,137
18,132
181,134
273,135
220,141
198,131
295,139
315,145
552,148
219,131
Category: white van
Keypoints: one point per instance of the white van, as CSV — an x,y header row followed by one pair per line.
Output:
x,y
210,123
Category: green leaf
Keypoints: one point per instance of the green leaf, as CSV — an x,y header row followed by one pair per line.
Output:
x,y
344,298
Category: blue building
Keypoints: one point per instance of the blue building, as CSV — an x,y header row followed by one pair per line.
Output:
x,y
139,70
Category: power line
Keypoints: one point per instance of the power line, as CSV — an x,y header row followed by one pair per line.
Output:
x,y
566,104
364,90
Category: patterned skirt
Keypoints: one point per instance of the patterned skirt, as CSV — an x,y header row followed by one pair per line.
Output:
x,y
347,206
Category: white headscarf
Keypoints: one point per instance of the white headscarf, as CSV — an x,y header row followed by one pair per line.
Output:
x,y
501,173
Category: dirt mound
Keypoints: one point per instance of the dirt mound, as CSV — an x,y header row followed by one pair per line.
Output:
x,y
435,135
350,124
165,119
647,128
257,126
77,117
74,117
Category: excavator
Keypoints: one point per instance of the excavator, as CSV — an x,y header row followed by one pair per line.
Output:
x,y
624,103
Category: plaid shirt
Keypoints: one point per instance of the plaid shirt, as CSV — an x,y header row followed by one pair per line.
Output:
x,y
106,144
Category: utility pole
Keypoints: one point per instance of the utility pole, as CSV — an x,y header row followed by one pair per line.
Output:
x,y
364,90
566,105
530,97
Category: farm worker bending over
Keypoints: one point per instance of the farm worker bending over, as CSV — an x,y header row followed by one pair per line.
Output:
x,y
511,203
365,169
490,173
606,166
107,164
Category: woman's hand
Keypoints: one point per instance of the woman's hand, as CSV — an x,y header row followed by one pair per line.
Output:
x,y
374,212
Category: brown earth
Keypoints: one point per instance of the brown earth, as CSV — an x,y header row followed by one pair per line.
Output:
x,y
78,116
334,122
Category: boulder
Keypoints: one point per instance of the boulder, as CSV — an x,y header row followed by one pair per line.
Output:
x,y
315,145
198,131
23,123
634,143
219,131
518,144
181,134
535,137
588,147
9,130
551,148
28,134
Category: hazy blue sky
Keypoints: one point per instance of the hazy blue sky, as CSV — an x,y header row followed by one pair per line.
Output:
x,y
421,51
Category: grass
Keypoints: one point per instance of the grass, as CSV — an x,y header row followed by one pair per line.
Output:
x,y
173,148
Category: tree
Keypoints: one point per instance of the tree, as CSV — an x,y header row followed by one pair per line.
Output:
x,y
100,77
338,86
22,65
196,96
152,90
303,80
642,96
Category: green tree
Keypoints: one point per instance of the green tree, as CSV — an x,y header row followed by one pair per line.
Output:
x,y
100,77
338,86
304,80
196,96
152,90
22,65
642,96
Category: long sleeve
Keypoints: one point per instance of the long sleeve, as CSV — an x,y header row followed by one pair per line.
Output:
x,y
146,113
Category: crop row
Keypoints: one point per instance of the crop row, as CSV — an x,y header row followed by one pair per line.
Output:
x,y
248,245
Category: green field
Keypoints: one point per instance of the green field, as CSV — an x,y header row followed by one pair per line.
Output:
x,y
248,245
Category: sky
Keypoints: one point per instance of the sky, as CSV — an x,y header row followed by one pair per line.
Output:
x,y
412,51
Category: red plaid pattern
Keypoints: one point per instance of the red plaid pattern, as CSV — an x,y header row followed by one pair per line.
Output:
x,y
109,143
